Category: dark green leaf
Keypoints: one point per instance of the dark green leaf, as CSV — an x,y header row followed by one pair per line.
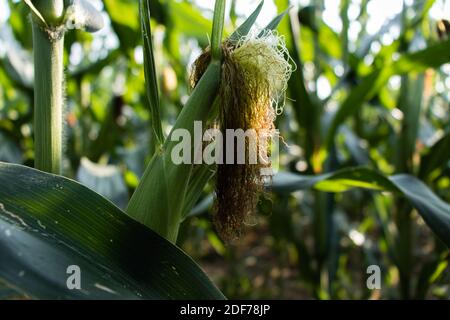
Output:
x,y
434,211
48,223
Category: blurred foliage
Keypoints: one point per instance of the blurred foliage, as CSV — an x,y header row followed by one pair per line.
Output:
x,y
380,100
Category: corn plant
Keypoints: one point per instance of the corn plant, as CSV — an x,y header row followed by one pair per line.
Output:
x,y
87,222
321,139
355,188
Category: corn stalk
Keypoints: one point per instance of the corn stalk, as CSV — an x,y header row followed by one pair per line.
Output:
x,y
49,20
48,42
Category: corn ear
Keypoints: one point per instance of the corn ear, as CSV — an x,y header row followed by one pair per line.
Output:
x,y
167,191
158,201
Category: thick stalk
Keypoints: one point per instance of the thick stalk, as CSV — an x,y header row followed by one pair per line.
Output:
x,y
48,98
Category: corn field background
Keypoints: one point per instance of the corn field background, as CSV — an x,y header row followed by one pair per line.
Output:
x,y
364,167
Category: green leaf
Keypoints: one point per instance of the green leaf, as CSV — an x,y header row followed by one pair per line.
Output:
x,y
151,80
434,211
306,109
124,19
410,103
9,293
330,42
202,207
244,28
357,97
18,20
158,202
189,20
35,11
432,57
48,223
273,25
437,157
160,198
199,179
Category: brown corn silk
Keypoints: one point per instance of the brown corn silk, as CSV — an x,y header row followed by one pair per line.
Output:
x,y
253,74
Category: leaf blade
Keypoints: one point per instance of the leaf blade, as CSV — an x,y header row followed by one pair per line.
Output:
x,y
244,29
435,212
151,80
55,222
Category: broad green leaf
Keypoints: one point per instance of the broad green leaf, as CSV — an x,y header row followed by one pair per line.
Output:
x,y
48,223
434,211
123,12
